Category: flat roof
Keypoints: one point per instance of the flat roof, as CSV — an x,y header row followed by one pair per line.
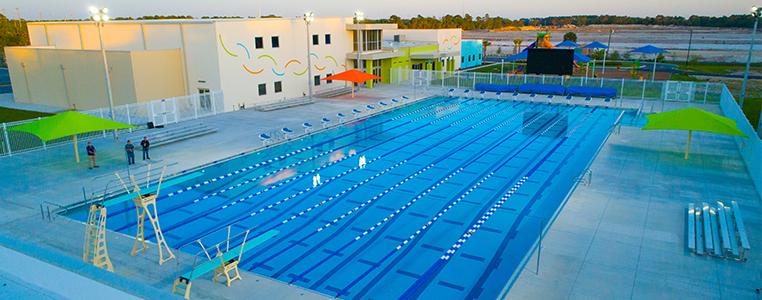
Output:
x,y
173,21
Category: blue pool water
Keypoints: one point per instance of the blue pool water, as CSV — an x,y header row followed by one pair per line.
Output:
x,y
453,197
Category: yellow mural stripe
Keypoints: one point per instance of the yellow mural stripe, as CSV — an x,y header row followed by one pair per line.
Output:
x,y
292,61
252,72
225,48
319,68
335,63
302,72
268,57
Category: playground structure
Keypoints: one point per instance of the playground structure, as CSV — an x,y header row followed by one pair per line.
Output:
x,y
542,41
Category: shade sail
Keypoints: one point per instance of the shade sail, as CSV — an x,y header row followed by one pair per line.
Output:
x,y
567,43
353,75
692,119
595,45
648,49
67,124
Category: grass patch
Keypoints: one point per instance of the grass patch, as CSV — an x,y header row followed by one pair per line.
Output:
x,y
717,68
12,115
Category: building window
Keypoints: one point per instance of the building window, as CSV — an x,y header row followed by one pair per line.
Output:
x,y
462,59
328,39
480,56
205,99
329,75
275,41
317,80
371,40
262,89
258,42
315,39
278,86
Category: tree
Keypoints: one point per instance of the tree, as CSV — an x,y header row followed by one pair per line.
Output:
x,y
614,55
485,44
570,36
499,50
517,45
660,57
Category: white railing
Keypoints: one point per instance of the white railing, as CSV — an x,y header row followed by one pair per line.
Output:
x,y
159,112
645,90
751,147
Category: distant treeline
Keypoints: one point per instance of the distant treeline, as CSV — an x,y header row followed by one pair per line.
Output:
x,y
487,22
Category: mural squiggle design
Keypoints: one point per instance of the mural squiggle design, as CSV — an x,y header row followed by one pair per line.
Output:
x,y
454,39
225,48
275,69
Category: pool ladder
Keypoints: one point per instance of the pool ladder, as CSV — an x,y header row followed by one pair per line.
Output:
x,y
586,178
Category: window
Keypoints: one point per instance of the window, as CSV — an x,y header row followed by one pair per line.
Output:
x,y
328,39
258,42
462,59
275,41
329,75
262,89
371,40
317,80
278,86
315,39
480,56
205,99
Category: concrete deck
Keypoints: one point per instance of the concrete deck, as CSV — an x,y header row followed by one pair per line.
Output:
x,y
624,235
52,175
620,237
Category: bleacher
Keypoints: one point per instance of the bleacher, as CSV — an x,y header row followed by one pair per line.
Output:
x,y
171,134
281,104
334,92
717,230
549,89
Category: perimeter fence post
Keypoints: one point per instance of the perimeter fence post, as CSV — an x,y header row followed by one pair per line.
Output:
x,y
7,141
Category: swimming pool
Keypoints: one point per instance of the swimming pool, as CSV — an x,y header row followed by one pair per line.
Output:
x,y
452,199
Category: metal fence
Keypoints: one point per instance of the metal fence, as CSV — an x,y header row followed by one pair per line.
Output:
x,y
751,147
160,112
646,90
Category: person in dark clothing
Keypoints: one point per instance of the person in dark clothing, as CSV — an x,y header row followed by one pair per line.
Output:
x,y
91,155
130,149
145,144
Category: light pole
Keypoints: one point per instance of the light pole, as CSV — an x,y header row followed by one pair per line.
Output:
x,y
606,52
100,17
359,17
755,12
308,18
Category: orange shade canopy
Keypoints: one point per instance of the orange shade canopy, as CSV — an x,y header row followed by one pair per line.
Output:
x,y
353,75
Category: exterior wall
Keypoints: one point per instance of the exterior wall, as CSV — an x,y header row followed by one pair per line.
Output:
x,y
157,74
471,53
243,68
75,78
192,38
68,78
449,40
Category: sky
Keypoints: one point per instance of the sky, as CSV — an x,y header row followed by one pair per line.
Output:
x,y
68,9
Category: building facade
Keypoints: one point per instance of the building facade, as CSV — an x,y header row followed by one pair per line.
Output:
x,y
471,53
252,61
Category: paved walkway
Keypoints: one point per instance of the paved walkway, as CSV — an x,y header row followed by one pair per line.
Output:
x,y
23,277
623,236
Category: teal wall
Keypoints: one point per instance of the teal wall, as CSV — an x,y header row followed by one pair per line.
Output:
x,y
470,53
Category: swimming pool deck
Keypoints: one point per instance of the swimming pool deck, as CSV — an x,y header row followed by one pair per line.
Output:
x,y
624,235
620,237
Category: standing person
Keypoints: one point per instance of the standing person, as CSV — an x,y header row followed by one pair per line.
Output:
x,y
130,149
145,144
91,155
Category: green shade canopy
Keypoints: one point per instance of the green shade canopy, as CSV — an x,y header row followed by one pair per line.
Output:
x,y
68,124
692,119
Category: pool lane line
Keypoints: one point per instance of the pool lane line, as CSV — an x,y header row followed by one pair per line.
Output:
x,y
473,185
474,110
425,279
281,157
410,242
442,141
441,158
263,163
525,211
